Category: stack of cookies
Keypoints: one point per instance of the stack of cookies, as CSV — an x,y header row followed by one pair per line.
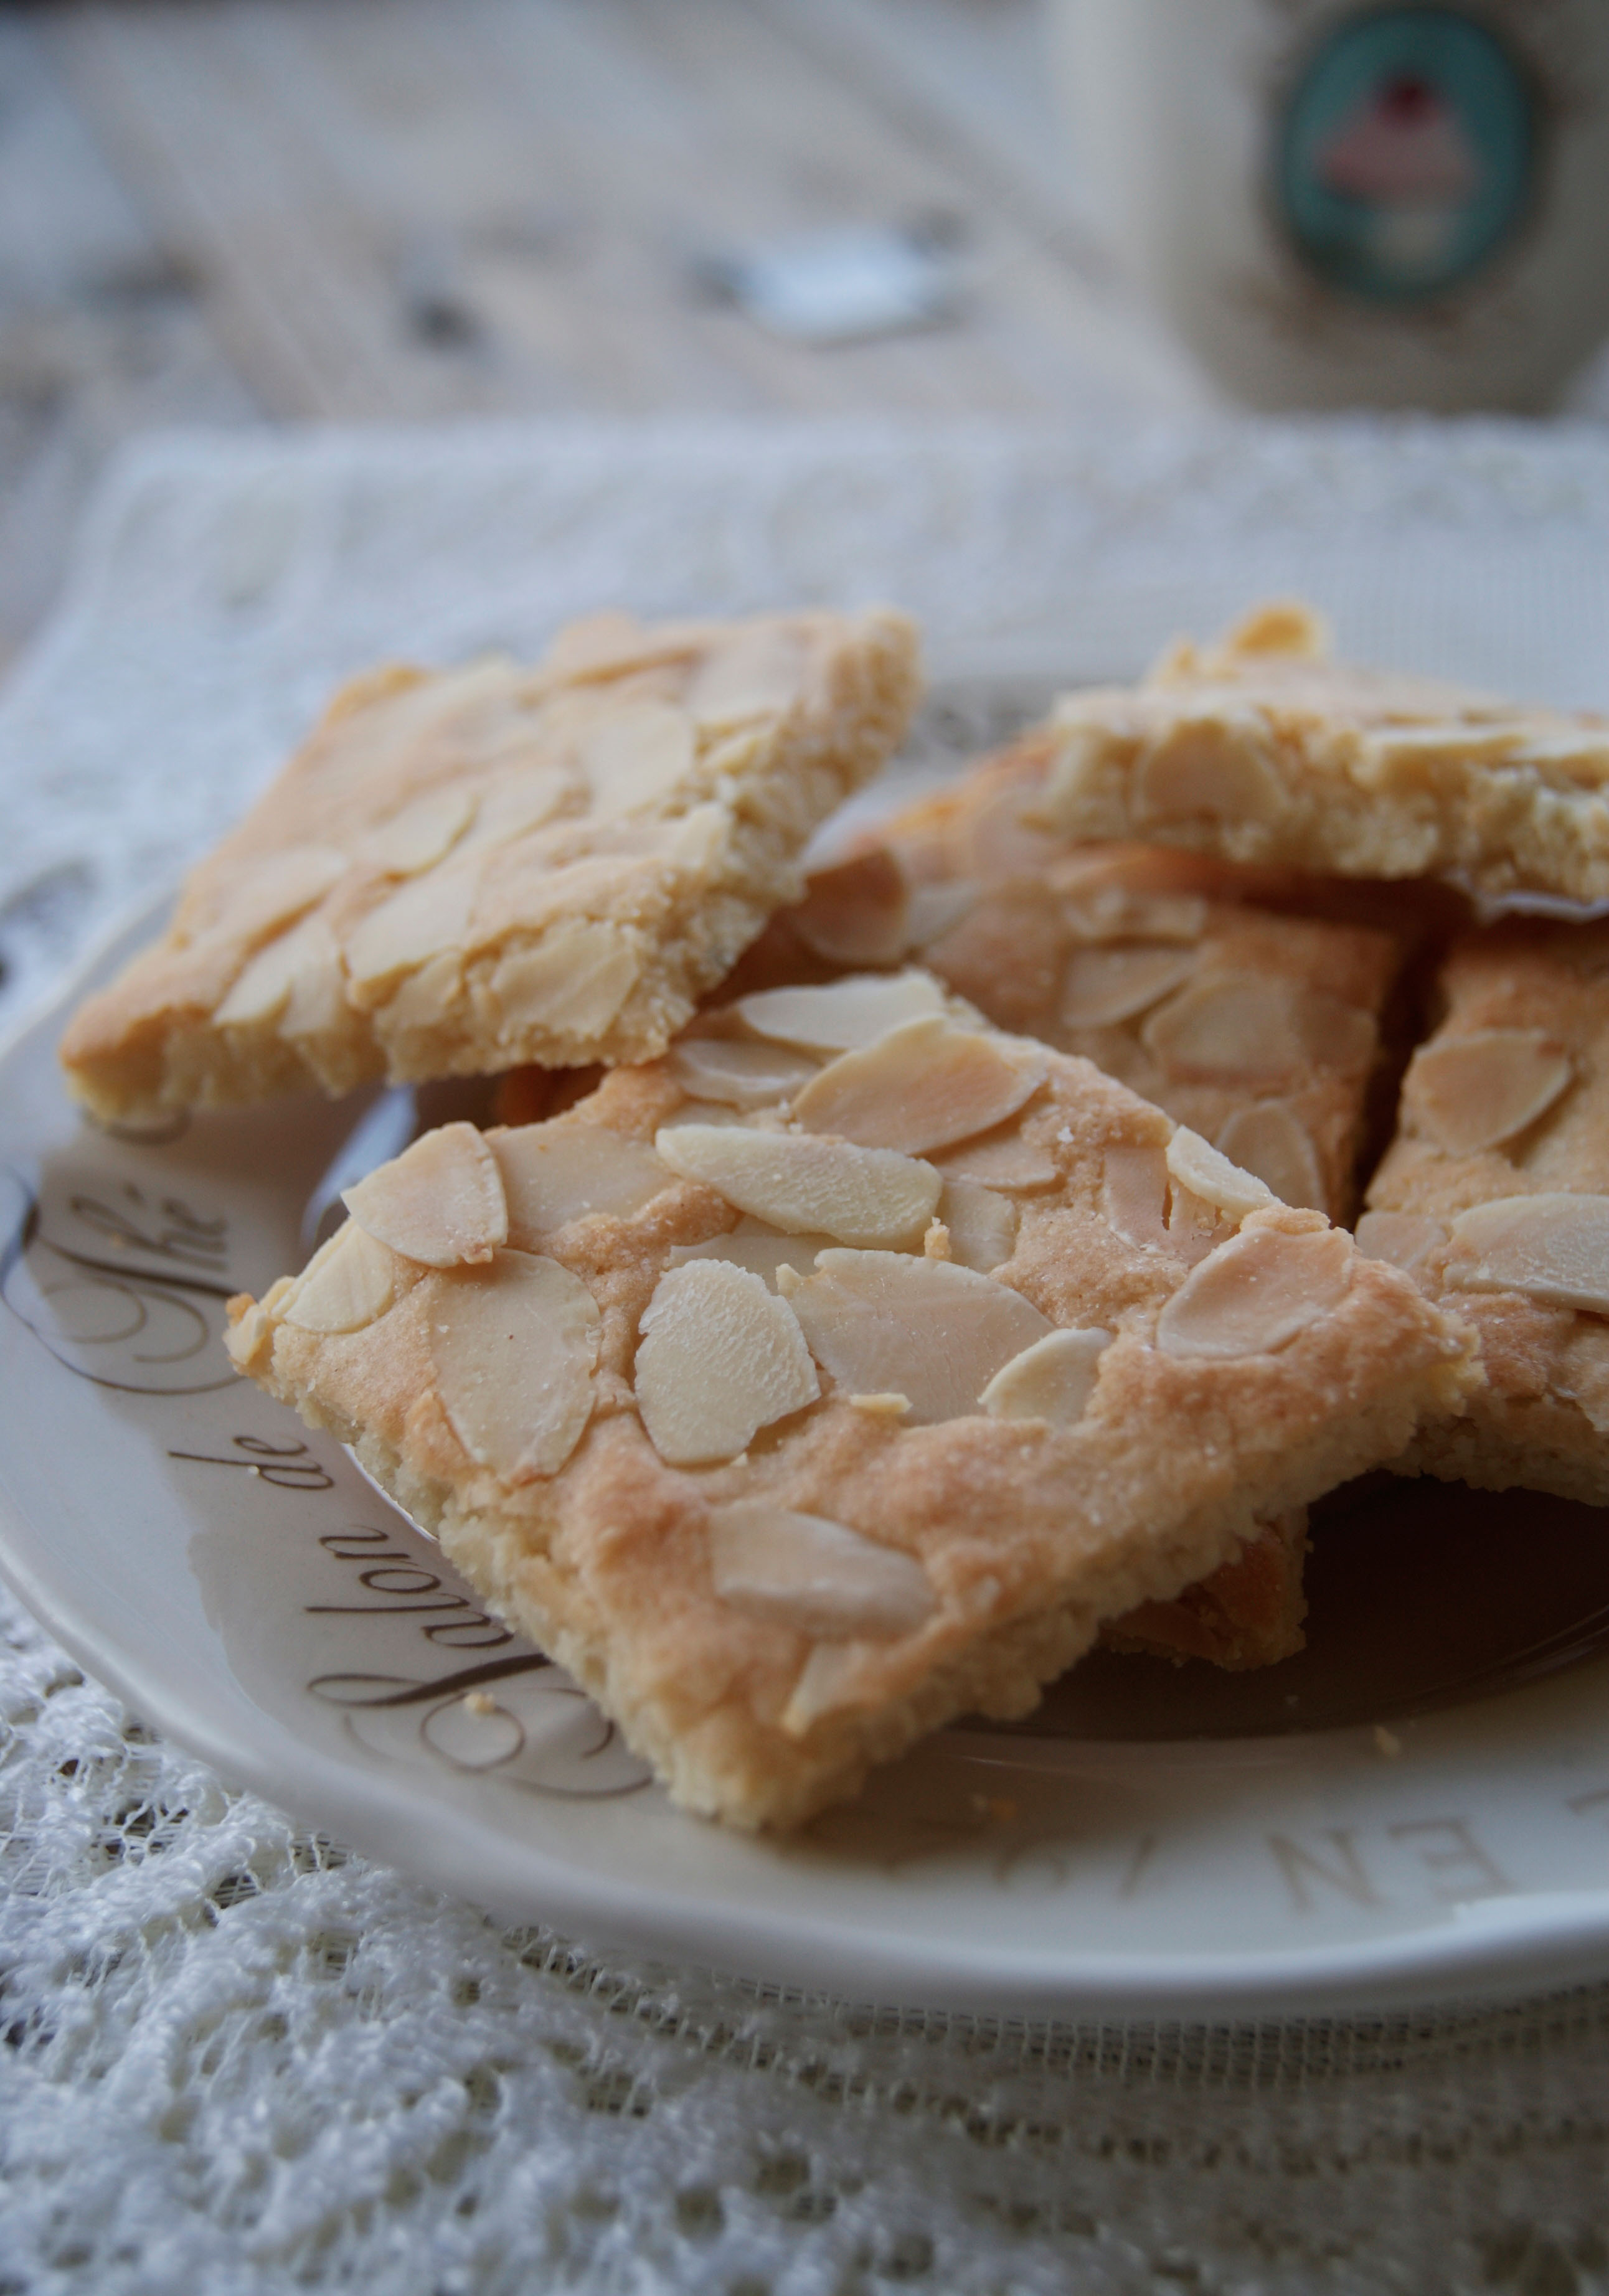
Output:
x,y
916,1274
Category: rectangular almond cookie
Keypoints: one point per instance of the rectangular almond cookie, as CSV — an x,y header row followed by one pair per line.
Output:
x,y
1264,749
463,870
793,1443
1495,1197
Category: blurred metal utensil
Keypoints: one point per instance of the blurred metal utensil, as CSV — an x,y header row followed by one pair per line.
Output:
x,y
382,1131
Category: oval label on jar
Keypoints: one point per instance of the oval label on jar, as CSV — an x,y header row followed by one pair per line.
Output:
x,y
1408,154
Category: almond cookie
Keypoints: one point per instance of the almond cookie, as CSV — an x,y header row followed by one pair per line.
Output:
x,y
1495,1197
790,1435
1264,749
465,870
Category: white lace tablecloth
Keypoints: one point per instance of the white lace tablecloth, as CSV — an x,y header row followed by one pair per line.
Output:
x,y
238,2058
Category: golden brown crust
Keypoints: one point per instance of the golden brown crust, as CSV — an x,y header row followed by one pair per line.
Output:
x,y
464,870
1527,1001
1262,749
1023,1533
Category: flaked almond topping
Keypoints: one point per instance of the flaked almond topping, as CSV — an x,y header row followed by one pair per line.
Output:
x,y
1469,1092
926,1085
720,1358
743,1072
935,910
1102,985
843,1015
1134,1194
922,1328
349,1282
520,802
1114,912
1270,1139
573,982
761,1249
272,893
857,913
639,755
556,1172
305,954
1256,1292
1001,1160
1404,1238
1553,1247
422,834
1218,765
1212,1178
1052,1379
981,1226
834,1675
428,915
818,1577
516,1344
758,673
881,1407
1241,1027
800,1184
425,997
441,1201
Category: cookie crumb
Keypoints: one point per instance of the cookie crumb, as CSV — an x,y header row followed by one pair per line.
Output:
x,y
479,1701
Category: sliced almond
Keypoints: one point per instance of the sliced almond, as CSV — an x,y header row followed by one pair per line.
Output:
x,y
1270,1139
758,673
720,1358
934,910
519,802
349,1283
264,990
857,913
554,1173
1239,1027
422,834
1553,1247
1102,985
1469,1092
800,1184
516,1344
1134,1194
1052,1379
844,1015
1219,766
441,1201
1113,911
926,1329
639,755
425,997
1404,1238
983,1225
572,983
272,893
926,1085
834,1675
762,1250
1256,1292
743,1072
430,914
1001,1160
813,1575
1212,1178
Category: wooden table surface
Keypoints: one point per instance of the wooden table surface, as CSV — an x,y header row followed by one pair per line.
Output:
x,y
228,210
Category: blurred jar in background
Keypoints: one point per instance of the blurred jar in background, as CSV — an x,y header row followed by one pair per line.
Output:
x,y
1340,205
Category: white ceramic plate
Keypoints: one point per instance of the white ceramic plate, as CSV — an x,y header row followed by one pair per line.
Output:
x,y
236,1579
